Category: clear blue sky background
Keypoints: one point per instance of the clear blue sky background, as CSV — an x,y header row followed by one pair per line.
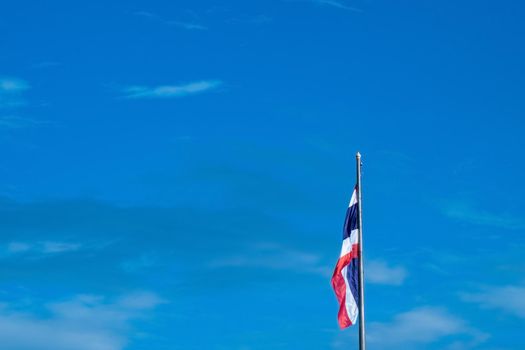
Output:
x,y
175,174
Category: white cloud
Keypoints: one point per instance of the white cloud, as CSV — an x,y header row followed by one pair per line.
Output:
x,y
510,299
85,322
41,248
10,85
337,4
18,247
181,24
11,90
187,25
58,247
141,263
421,326
342,5
146,14
275,257
378,272
45,64
12,97
257,20
141,300
170,91
14,122
460,210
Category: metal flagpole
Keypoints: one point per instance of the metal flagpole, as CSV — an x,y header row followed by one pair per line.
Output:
x,y
362,339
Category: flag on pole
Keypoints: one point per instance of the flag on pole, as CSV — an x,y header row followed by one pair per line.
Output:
x,y
345,279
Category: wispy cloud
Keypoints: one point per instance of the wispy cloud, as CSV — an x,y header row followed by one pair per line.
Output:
x,y
337,4
15,122
85,322
141,263
464,211
18,247
257,20
275,257
45,64
171,91
11,90
510,299
58,247
421,326
41,248
379,272
342,5
278,257
145,14
12,97
13,85
188,25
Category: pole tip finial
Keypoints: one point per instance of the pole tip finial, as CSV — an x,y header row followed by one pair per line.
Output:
x,y
358,155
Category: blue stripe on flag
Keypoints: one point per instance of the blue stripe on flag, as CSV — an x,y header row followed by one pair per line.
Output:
x,y
352,274
350,220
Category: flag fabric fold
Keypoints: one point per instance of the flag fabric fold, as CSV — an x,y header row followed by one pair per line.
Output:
x,y
345,279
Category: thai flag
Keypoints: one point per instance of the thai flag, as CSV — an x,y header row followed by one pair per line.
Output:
x,y
345,279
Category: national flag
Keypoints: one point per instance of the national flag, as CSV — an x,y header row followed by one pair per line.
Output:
x,y
345,279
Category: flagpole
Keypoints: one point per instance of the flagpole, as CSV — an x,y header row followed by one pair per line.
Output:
x,y
362,339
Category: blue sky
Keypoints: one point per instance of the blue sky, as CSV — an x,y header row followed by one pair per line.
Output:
x,y
174,174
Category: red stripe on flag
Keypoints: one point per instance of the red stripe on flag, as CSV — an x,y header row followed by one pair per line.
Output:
x,y
338,283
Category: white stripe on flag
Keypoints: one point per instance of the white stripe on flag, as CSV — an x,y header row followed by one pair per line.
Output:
x,y
350,304
349,242
353,200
